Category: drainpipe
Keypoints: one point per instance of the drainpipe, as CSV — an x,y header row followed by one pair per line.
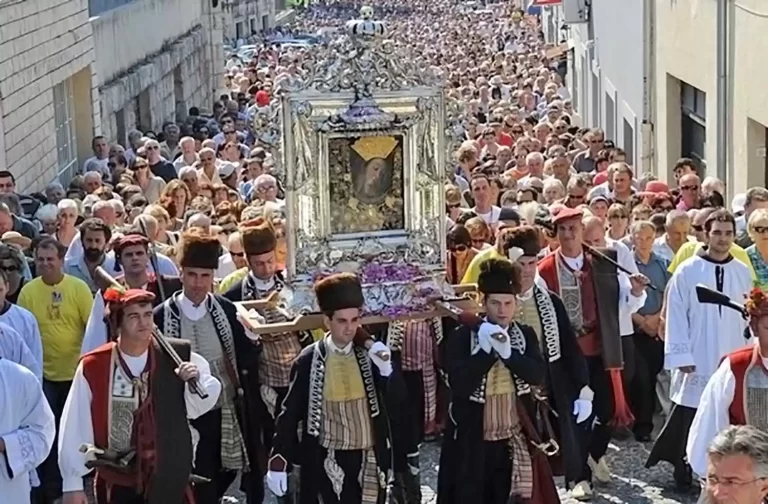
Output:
x,y
647,133
722,91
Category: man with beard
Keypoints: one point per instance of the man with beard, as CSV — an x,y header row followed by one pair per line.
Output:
x,y
279,350
230,434
94,235
132,255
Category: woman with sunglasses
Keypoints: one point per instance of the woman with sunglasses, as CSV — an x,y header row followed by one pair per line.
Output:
x,y
618,221
151,185
757,227
460,253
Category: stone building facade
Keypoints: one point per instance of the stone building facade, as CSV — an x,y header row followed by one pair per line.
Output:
x,y
49,108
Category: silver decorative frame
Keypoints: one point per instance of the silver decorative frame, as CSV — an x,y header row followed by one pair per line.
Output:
x,y
311,119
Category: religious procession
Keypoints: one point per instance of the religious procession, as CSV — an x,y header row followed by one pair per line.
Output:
x,y
400,239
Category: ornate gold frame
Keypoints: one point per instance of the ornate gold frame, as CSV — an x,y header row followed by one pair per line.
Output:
x,y
310,119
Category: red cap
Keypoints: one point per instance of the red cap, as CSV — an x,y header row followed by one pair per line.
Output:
x,y
564,213
116,298
600,178
130,240
656,186
262,98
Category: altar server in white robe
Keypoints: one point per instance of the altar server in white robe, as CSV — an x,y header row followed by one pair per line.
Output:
x,y
13,348
27,430
699,335
21,320
737,394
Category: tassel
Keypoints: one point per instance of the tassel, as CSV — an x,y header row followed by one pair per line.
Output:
x,y
622,416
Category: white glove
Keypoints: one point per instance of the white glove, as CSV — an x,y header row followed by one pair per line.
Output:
x,y
277,482
385,366
503,348
252,315
484,335
582,409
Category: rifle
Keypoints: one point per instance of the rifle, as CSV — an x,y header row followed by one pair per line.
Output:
x,y
153,259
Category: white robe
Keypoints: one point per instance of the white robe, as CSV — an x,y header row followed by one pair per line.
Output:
x,y
712,415
76,426
96,329
26,325
701,334
27,426
14,348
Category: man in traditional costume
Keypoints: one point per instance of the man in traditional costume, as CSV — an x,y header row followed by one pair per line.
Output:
x,y
737,394
27,430
230,434
566,389
343,395
595,295
132,254
127,412
485,456
414,346
698,336
278,350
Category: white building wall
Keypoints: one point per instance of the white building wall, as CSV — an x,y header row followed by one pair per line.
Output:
x,y
606,68
153,60
42,44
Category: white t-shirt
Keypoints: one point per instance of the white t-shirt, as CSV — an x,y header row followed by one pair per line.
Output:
x,y
491,217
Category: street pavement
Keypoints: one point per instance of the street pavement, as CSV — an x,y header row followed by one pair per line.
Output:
x,y
632,483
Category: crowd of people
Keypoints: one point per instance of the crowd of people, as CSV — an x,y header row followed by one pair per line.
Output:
x,y
586,269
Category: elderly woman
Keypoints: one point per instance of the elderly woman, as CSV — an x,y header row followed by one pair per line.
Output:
x,y
48,217
67,215
164,235
189,176
553,190
757,227
460,253
54,193
174,199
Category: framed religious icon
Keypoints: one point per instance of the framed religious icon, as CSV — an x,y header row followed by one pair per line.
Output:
x,y
363,149
366,184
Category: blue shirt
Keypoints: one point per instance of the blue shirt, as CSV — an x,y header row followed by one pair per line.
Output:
x,y
656,271
760,266
77,268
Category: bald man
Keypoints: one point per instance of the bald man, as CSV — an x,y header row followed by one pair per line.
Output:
x,y
690,191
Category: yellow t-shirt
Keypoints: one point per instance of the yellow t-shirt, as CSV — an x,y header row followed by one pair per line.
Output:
x,y
688,249
232,279
473,270
62,311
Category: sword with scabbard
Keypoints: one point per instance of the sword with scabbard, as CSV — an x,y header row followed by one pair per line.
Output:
x,y
119,461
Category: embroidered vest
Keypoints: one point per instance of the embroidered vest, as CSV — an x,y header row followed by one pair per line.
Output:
x,y
750,398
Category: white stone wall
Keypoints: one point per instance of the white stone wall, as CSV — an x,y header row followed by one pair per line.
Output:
x,y
42,43
156,76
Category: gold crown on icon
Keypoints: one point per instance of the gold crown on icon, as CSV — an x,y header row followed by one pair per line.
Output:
x,y
374,147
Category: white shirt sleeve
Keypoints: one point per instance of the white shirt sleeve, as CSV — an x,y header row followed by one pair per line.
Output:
x,y
711,416
95,329
677,344
28,446
196,406
76,429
